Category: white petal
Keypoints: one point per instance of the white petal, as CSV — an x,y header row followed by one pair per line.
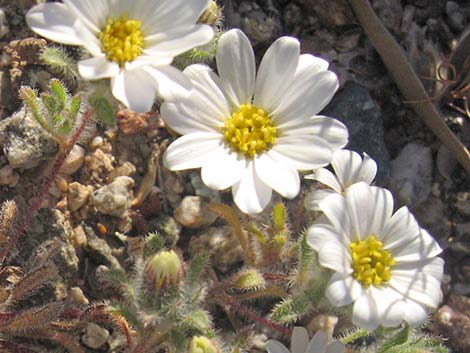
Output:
x,y
148,60
366,311
312,199
368,169
136,89
343,290
336,347
417,286
299,340
369,208
250,194
190,151
276,72
236,66
278,174
402,228
205,109
421,247
304,152
273,346
92,13
207,83
433,267
391,306
318,343
347,165
178,40
165,15
327,178
171,83
222,169
335,209
309,62
331,248
406,240
306,97
414,313
331,130
55,22
90,42
97,68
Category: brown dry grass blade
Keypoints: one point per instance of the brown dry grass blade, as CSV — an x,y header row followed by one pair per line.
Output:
x,y
405,78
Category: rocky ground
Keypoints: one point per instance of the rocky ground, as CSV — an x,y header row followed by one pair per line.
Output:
x,y
92,198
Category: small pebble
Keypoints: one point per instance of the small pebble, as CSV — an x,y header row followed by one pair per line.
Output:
x,y
8,176
74,161
77,296
3,24
193,213
96,142
114,199
95,336
77,195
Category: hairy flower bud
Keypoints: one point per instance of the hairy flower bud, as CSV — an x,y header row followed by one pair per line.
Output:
x,y
201,344
165,269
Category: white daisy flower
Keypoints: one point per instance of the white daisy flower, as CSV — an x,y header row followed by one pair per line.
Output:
x,y
300,343
384,263
131,42
349,168
255,134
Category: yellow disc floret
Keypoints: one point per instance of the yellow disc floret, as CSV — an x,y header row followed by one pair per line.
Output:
x,y
370,262
249,131
122,39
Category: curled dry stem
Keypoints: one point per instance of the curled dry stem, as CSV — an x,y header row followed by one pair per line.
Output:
x,y
406,79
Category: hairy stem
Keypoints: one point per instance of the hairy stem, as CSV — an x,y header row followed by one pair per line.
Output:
x,y
26,218
252,315
270,291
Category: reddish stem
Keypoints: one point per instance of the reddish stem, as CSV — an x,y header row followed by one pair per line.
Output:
x,y
27,217
252,315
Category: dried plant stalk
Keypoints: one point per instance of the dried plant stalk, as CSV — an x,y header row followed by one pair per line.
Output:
x,y
405,78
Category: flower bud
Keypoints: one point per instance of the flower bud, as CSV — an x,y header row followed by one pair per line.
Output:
x,y
201,344
212,15
165,269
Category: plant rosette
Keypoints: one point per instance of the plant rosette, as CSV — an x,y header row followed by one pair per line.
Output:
x,y
254,132
131,42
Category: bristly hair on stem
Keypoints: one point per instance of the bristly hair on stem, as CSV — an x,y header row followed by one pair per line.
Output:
x,y
25,219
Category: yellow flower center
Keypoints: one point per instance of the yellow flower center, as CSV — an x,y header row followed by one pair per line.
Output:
x,y
122,39
249,131
370,262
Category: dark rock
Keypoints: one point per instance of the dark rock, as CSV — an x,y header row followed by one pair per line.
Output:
x,y
262,26
354,107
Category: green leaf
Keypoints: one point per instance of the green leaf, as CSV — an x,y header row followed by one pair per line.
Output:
x,y
399,338
60,92
290,309
74,107
104,110
195,269
50,103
